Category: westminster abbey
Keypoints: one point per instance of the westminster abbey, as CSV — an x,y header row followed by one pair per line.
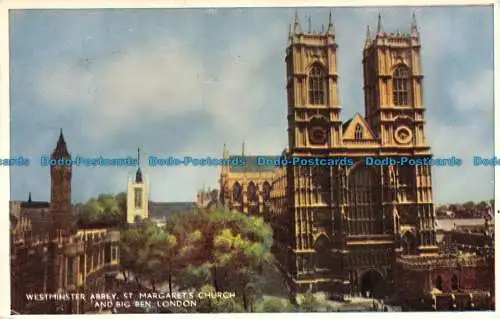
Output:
x,y
358,230
340,229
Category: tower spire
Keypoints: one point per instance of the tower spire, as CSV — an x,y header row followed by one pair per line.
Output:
x,y
310,23
29,197
330,29
414,27
61,150
138,174
368,36
379,24
296,27
225,152
243,148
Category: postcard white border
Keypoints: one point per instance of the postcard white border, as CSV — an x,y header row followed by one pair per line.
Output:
x,y
5,5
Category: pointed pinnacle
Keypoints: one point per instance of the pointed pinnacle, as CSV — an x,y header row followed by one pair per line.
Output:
x,y
379,23
414,27
296,26
330,29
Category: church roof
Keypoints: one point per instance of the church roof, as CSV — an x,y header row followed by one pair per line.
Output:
x,y
32,204
348,128
346,124
251,164
35,204
161,211
61,150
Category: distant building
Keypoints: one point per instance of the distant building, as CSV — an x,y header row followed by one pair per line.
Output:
x,y
351,228
137,196
139,206
160,212
445,282
246,188
207,198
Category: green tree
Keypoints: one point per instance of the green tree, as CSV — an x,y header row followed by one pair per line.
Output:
x,y
229,246
274,304
130,245
164,252
218,305
121,200
309,303
91,211
208,249
482,206
106,210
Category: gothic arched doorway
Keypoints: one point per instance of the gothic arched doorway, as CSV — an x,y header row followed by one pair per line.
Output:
x,y
372,284
323,257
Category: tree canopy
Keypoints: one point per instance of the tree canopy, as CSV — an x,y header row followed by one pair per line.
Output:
x,y
214,249
106,210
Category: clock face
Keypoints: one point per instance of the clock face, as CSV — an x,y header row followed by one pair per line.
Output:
x,y
403,135
318,135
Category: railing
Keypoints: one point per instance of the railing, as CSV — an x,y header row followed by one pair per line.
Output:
x,y
447,261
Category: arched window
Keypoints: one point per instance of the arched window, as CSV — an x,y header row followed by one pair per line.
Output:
x,y
365,217
454,282
266,191
409,243
439,283
322,247
252,193
237,193
358,133
138,198
400,85
317,85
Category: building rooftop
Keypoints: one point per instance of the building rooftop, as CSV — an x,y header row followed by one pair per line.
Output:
x,y
251,165
450,224
161,211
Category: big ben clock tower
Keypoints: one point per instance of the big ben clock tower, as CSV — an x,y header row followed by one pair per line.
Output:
x,y
60,198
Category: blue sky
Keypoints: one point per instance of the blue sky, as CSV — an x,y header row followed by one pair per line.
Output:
x,y
186,81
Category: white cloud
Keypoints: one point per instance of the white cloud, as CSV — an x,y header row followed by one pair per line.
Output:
x,y
474,92
161,80
168,78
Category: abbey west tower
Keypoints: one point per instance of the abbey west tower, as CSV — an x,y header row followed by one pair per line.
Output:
x,y
344,226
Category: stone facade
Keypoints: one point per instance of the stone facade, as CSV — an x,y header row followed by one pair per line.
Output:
x,y
246,188
445,282
137,196
343,228
345,224
48,255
